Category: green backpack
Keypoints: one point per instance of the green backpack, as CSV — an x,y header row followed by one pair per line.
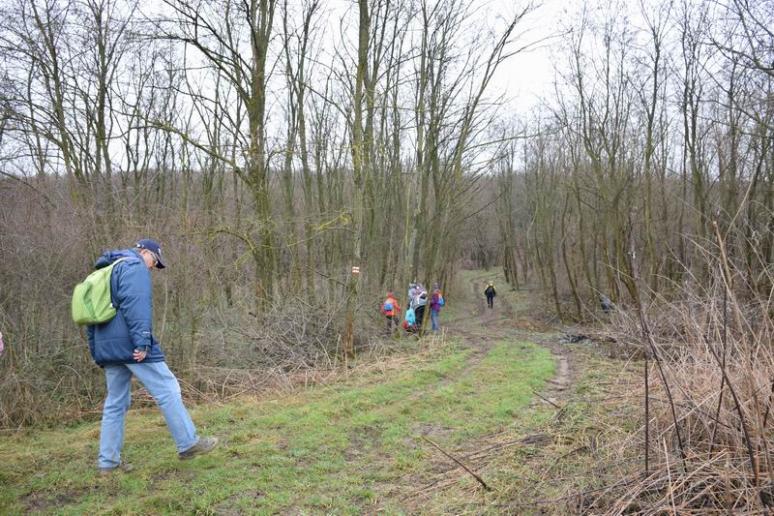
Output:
x,y
91,299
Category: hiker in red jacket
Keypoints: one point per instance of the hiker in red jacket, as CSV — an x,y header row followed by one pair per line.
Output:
x,y
391,311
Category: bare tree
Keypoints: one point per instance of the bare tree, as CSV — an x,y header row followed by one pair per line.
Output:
x,y
219,32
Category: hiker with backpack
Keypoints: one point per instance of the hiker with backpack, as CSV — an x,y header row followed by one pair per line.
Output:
x,y
391,311
436,303
413,293
420,305
116,304
490,294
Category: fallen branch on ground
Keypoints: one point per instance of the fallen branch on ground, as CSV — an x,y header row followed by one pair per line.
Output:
x,y
480,480
536,393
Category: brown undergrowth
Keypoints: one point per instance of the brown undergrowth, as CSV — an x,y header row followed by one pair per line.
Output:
x,y
709,428
704,447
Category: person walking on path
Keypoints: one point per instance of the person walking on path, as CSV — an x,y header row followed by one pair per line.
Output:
x,y
125,347
436,303
490,294
391,311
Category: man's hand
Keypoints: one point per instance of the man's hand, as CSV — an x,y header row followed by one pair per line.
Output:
x,y
138,355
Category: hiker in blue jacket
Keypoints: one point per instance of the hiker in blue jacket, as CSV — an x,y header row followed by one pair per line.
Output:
x,y
125,346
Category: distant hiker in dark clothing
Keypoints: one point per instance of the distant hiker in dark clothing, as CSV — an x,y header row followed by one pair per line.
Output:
x,y
391,311
420,303
490,294
124,346
419,313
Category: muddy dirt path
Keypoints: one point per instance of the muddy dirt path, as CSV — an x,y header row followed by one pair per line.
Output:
x,y
510,320
486,325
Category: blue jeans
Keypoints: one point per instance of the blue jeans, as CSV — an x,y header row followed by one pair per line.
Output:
x,y
162,385
434,319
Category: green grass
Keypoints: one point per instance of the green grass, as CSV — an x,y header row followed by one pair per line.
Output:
x,y
356,445
585,450
345,448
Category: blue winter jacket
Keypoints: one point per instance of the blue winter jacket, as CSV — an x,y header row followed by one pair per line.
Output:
x,y
114,342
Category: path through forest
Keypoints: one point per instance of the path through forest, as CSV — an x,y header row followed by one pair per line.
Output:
x,y
497,415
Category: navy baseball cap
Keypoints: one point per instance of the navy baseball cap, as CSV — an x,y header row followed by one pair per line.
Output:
x,y
154,247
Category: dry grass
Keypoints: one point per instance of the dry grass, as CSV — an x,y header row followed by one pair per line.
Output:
x,y
710,372
380,356
293,345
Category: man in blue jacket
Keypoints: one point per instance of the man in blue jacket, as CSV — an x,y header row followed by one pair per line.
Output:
x,y
124,346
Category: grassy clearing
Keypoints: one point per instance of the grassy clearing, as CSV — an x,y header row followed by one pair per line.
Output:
x,y
582,449
356,444
547,457
343,448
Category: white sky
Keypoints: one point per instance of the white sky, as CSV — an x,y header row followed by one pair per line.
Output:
x,y
524,77
528,76
523,81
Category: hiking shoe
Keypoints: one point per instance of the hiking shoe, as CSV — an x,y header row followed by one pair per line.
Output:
x,y
123,468
205,445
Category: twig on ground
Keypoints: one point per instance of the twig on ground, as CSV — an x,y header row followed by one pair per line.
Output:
x,y
478,478
536,393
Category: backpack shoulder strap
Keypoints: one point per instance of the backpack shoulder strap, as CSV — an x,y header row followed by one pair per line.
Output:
x,y
110,279
122,259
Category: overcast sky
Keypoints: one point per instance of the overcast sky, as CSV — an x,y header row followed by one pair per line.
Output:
x,y
524,77
527,76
